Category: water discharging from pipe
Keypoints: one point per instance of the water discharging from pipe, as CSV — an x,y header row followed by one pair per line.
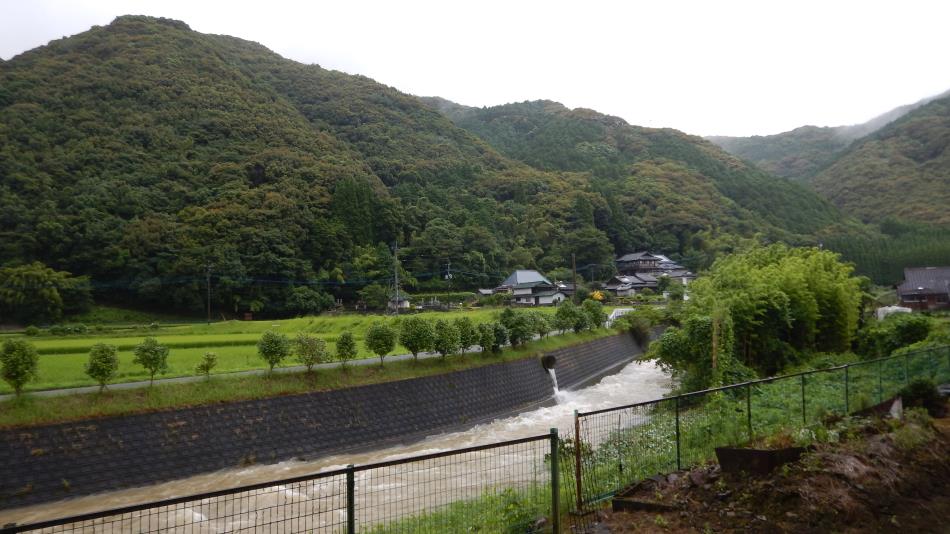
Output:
x,y
635,383
554,380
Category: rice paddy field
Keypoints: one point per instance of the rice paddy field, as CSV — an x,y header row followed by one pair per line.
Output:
x,y
62,358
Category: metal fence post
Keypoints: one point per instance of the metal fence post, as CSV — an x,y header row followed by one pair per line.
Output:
x,y
748,409
555,484
847,390
880,382
577,462
804,418
677,404
619,454
350,500
906,370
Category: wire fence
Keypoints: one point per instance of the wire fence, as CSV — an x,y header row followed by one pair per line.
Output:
x,y
535,484
508,486
627,444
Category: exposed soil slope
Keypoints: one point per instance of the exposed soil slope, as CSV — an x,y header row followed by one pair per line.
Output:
x,y
884,479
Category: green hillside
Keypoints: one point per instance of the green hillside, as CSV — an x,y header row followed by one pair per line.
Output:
x,y
549,136
802,153
900,171
141,153
796,155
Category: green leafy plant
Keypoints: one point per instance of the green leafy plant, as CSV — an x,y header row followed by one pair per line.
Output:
x,y
273,348
310,350
208,362
346,347
103,364
152,356
18,363
380,340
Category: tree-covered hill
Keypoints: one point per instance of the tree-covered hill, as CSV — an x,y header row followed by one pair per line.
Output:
x,y
710,182
900,171
144,154
802,153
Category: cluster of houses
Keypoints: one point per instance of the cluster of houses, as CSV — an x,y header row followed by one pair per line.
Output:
x,y
636,272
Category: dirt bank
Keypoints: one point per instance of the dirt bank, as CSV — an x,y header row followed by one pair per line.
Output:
x,y
882,476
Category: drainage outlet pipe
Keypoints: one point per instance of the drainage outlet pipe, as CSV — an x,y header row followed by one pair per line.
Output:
x,y
548,362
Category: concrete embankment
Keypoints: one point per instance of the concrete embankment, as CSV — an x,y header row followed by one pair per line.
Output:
x,y
54,462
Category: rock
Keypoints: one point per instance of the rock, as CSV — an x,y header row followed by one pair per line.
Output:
x,y
540,523
730,513
791,515
672,478
696,477
761,518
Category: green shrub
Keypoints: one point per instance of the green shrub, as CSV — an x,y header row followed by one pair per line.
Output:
x,y
922,393
310,350
18,363
208,362
273,348
103,364
345,347
32,331
152,356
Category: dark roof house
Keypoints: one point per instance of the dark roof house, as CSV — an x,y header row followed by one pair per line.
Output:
x,y
925,288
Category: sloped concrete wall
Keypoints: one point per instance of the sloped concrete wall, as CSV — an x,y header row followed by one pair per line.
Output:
x,y
121,452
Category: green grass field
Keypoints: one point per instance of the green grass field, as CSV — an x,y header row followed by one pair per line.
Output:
x,y
62,358
31,410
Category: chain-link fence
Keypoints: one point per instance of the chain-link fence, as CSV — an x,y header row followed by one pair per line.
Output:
x,y
509,486
624,445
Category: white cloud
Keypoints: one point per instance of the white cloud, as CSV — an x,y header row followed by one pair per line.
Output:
x,y
735,68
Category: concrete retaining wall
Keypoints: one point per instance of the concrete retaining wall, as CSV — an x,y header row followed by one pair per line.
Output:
x,y
53,462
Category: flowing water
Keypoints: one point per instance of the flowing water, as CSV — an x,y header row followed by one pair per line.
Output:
x,y
553,374
413,488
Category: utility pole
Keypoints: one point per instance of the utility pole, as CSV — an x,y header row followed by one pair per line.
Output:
x,y
574,277
396,272
208,285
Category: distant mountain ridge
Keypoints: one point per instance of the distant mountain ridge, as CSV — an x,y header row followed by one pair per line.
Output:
x,y
801,153
900,171
549,136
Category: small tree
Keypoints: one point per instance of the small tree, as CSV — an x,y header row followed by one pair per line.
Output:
x,y
416,334
103,364
486,337
595,313
446,338
501,337
18,362
345,347
273,347
565,317
468,336
152,356
208,362
520,329
507,317
310,350
541,324
380,339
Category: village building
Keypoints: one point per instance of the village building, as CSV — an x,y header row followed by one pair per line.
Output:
x,y
642,270
925,288
531,288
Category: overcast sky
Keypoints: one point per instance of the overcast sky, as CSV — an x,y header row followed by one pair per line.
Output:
x,y
705,67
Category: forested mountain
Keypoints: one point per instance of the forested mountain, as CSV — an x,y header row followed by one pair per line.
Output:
x,y
900,171
801,153
144,154
694,177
